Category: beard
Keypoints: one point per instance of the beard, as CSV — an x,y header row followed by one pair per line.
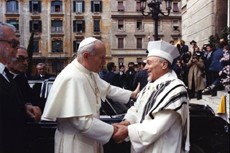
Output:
x,y
149,79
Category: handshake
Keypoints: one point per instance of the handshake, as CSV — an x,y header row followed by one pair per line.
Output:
x,y
120,131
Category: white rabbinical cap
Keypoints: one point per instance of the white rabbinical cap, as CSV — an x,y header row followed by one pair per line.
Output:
x,y
87,41
162,49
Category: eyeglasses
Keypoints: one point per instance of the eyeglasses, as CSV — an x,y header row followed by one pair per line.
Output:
x,y
22,58
14,43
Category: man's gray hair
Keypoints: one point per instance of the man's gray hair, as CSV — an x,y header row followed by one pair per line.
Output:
x,y
40,65
22,47
3,24
164,60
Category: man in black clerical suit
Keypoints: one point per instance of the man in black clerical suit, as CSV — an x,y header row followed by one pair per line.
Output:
x,y
41,72
18,68
12,106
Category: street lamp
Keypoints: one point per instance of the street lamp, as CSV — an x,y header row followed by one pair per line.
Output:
x,y
155,10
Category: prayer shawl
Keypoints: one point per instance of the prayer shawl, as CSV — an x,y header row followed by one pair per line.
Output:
x,y
165,97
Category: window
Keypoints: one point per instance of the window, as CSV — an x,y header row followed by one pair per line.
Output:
x,y
35,6
76,44
56,26
79,6
79,26
139,60
120,24
36,46
175,25
138,6
12,6
96,25
139,25
56,6
120,61
139,43
57,46
120,6
36,26
120,42
57,65
175,7
96,6
14,22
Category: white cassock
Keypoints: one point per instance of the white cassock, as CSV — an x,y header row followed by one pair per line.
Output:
x,y
160,117
74,102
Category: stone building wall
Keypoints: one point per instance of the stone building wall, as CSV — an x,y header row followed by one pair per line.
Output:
x,y
108,25
201,19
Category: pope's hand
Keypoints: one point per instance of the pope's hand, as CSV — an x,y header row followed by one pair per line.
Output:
x,y
120,134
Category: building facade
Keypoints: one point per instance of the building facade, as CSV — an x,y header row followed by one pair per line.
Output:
x,y
131,31
201,19
58,26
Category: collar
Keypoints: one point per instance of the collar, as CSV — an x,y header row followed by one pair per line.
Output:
x,y
166,77
14,74
2,67
81,67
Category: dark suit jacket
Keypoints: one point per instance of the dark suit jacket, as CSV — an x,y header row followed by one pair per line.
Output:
x,y
26,91
142,78
38,77
29,95
12,118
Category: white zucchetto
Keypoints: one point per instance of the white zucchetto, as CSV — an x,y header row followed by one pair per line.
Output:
x,y
162,49
87,41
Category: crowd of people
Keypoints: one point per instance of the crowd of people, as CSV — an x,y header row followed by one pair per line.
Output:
x,y
204,71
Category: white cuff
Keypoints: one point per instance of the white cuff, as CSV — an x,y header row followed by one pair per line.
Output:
x,y
99,131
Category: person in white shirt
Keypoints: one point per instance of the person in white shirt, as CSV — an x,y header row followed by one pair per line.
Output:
x,y
159,120
75,99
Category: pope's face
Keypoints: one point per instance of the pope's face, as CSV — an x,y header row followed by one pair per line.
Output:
x,y
154,68
97,60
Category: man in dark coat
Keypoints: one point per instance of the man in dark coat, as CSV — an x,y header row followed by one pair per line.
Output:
x,y
41,72
18,68
12,106
130,74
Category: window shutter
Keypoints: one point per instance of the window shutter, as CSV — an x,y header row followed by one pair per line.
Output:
x,y
30,6
83,26
39,6
16,5
40,26
101,6
74,46
74,6
83,6
74,26
92,6
31,22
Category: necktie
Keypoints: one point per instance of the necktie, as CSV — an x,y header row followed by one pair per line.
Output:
x,y
8,75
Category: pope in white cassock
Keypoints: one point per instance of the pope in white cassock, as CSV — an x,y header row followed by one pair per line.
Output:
x,y
75,99
159,120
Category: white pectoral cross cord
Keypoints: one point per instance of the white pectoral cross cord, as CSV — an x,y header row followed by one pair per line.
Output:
x,y
95,88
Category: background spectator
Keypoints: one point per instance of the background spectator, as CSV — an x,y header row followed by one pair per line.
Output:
x,y
42,73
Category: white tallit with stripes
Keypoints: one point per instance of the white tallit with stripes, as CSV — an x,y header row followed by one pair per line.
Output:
x,y
167,92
